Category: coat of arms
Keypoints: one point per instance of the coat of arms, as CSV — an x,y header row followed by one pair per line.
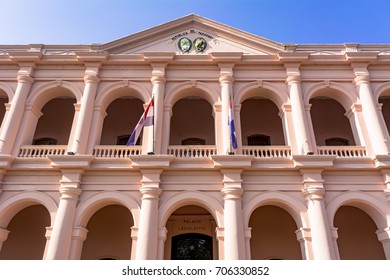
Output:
x,y
200,44
185,44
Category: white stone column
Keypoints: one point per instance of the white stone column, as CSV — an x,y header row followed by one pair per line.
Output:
x,y
99,114
233,218
302,139
158,82
320,229
79,234
384,238
3,236
376,133
148,224
14,117
61,237
226,81
84,121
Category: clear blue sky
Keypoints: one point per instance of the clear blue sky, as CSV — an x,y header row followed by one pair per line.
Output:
x,y
283,21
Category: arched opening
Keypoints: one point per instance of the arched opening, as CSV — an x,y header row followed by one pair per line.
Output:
x,y
122,117
357,238
3,102
260,123
109,234
55,122
191,235
26,240
192,117
329,121
273,235
384,99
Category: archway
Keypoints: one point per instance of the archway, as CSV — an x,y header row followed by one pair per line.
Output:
x,y
260,123
357,238
273,234
122,117
26,239
192,118
331,126
191,235
109,234
55,124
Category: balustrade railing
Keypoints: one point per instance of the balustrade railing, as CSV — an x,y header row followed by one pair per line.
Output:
x,y
192,151
342,151
267,151
116,151
40,151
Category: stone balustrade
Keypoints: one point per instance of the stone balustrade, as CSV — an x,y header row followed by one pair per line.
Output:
x,y
342,151
267,151
192,151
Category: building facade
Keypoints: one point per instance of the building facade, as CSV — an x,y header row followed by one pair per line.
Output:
x,y
310,178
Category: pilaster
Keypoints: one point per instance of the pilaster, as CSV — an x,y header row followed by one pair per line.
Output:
x,y
384,238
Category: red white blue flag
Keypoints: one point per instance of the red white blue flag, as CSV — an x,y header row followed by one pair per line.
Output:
x,y
147,119
233,136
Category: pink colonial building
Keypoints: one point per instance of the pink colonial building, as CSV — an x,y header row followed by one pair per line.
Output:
x,y
310,178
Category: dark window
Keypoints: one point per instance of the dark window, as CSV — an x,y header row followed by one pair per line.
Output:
x,y
259,140
336,142
192,246
45,141
123,139
193,141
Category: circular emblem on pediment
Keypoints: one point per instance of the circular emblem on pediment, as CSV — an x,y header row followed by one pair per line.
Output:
x,y
200,44
185,44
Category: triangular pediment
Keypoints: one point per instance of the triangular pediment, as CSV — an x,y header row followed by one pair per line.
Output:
x,y
192,34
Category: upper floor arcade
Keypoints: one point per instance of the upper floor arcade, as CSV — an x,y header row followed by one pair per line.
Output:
x,y
286,99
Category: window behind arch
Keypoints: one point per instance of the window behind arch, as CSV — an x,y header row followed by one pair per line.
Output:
x,y
259,140
123,139
45,141
193,141
336,142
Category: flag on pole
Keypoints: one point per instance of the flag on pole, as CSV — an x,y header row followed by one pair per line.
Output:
x,y
233,137
146,119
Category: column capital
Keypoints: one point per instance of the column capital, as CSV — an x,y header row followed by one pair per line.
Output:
x,y
68,192
293,79
314,193
232,193
361,78
25,78
226,79
3,234
151,193
158,79
303,234
91,78
384,235
79,233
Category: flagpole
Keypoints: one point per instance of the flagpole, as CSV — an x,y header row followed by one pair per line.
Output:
x,y
231,112
153,139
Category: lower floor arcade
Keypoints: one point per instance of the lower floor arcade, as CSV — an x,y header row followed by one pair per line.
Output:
x,y
191,231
